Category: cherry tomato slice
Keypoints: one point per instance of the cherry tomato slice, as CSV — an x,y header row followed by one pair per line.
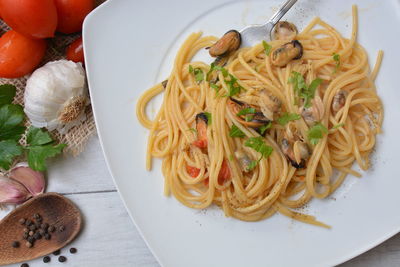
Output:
x,y
19,55
75,51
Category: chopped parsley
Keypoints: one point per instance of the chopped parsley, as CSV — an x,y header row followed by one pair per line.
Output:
x,y
247,111
197,72
267,47
209,117
234,87
336,58
286,117
301,89
236,132
258,144
265,127
338,126
316,133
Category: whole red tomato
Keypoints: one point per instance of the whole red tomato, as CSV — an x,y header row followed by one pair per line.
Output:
x,y
32,18
71,14
75,51
19,55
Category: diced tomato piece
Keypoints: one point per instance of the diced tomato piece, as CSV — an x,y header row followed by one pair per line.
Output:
x,y
224,173
192,171
200,143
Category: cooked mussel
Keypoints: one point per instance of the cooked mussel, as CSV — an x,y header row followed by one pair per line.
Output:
x,y
253,120
270,105
201,128
284,30
296,152
314,113
282,55
244,160
164,84
339,100
228,43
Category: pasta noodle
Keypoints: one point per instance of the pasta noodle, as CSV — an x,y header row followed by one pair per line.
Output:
x,y
285,168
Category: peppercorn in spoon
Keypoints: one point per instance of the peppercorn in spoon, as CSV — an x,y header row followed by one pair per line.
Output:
x,y
40,226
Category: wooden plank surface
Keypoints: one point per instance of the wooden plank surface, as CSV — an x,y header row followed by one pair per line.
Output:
x,y
109,238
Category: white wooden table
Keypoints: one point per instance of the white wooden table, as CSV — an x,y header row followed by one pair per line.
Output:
x,y
109,237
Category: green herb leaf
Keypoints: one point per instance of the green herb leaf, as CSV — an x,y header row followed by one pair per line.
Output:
x,y
231,157
192,130
338,126
37,155
209,117
316,133
198,73
214,86
303,91
233,86
258,144
7,93
252,165
246,111
286,117
336,58
236,132
265,127
218,68
37,136
11,119
9,149
267,47
190,69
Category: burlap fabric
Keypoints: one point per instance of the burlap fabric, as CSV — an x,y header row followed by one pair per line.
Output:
x,y
76,137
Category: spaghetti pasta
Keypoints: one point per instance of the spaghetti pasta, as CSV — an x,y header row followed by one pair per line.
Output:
x,y
256,138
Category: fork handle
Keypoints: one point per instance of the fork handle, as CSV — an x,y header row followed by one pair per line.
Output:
x,y
282,11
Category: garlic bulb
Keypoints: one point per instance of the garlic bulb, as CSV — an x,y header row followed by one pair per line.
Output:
x,y
55,96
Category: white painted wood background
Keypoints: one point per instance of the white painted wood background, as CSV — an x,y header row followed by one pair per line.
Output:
x,y
109,237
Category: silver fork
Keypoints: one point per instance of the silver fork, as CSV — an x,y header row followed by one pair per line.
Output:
x,y
255,33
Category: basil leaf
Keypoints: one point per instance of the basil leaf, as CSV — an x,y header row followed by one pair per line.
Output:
x,y
9,149
7,93
236,132
11,122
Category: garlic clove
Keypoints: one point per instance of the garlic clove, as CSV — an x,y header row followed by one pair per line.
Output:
x,y
12,192
32,180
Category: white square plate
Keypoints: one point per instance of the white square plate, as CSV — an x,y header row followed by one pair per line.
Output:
x,y
130,45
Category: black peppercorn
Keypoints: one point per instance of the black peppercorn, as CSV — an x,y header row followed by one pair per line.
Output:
x,y
44,226
31,233
36,216
46,259
62,259
28,244
39,220
47,236
73,250
22,221
37,224
41,231
24,265
57,252
37,236
25,236
32,227
51,229
31,239
62,228
15,244
28,222
26,230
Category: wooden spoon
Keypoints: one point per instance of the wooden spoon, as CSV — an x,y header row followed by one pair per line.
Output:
x,y
55,210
